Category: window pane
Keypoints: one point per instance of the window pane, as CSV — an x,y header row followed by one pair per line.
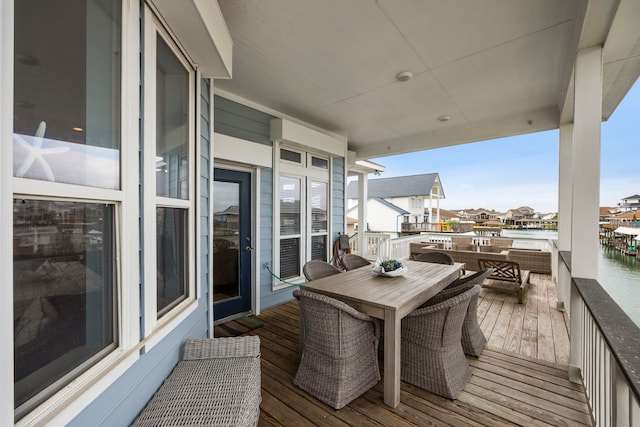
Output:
x,y
289,258
291,156
172,257
318,207
319,248
226,228
289,206
319,162
63,290
67,102
172,125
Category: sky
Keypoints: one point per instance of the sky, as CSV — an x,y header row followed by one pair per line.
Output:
x,y
507,173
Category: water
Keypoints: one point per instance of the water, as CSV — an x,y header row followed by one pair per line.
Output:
x,y
618,274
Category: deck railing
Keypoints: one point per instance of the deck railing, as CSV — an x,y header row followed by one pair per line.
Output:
x,y
375,244
381,244
604,346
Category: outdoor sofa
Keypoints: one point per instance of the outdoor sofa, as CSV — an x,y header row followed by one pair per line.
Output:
x,y
535,261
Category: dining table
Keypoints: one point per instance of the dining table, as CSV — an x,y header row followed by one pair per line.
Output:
x,y
389,299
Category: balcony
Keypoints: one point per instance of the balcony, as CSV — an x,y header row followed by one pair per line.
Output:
x,y
520,379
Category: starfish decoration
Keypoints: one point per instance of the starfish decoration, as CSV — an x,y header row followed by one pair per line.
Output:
x,y
36,152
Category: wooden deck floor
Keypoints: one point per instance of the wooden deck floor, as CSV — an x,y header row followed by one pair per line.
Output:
x,y
520,379
534,328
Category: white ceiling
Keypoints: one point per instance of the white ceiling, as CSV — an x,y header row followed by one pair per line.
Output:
x,y
497,67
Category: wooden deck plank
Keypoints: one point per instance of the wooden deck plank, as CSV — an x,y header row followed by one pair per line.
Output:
x,y
532,377
529,342
501,327
546,349
507,388
484,303
513,338
544,393
491,317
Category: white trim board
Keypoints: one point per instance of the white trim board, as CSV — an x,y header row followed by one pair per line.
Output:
x,y
234,149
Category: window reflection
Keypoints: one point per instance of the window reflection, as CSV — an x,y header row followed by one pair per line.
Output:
x,y
318,207
63,290
289,205
67,106
172,253
172,125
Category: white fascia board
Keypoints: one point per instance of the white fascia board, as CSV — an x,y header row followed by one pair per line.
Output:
x,y
290,132
227,147
202,31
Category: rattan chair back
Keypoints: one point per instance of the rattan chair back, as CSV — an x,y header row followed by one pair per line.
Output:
x,y
435,257
353,261
432,356
316,269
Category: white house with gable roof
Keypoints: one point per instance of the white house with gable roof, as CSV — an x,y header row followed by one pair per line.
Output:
x,y
397,200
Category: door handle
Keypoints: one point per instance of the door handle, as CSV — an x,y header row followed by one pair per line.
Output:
x,y
248,248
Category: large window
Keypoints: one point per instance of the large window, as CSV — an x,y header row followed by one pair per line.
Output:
x,y
67,106
169,159
303,202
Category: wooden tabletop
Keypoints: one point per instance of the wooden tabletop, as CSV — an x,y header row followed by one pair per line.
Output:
x,y
367,291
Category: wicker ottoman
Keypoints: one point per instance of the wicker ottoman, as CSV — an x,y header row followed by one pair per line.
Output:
x,y
217,383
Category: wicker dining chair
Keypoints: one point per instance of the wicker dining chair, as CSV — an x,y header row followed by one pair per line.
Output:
x,y
432,357
353,261
473,340
316,269
339,359
435,257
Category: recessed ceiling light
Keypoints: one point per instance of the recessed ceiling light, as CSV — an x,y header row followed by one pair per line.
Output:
x,y
444,118
403,76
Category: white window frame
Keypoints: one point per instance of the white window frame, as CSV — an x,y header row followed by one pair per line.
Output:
x,y
88,385
306,173
157,328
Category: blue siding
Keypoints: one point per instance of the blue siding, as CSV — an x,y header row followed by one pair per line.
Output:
x,y
240,121
338,211
124,399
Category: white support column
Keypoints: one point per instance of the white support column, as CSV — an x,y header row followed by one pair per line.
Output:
x,y
430,207
585,188
6,211
363,196
586,163
565,176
